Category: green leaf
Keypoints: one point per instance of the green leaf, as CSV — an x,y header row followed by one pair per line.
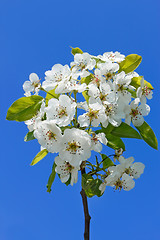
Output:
x,y
98,60
76,50
51,178
130,63
148,135
39,156
29,136
106,130
51,94
24,108
87,79
136,82
86,96
115,142
125,131
133,93
91,185
107,162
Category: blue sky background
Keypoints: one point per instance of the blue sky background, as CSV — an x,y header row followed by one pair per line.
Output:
x,y
34,36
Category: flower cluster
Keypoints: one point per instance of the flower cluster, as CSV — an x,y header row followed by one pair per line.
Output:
x,y
122,174
83,100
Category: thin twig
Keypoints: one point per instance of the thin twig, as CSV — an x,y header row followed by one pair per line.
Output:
x,y
86,211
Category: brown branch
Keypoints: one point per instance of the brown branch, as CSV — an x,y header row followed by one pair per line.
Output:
x,y
86,211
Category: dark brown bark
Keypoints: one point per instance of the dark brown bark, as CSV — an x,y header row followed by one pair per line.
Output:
x,y
86,212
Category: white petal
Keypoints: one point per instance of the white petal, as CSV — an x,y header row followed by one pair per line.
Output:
x,y
137,169
33,77
64,178
127,182
144,109
27,86
138,120
128,119
102,187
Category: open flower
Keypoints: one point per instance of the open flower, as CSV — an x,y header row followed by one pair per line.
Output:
x,y
82,63
121,84
121,175
114,113
108,69
75,146
56,75
66,171
135,113
144,91
61,111
112,56
48,135
94,115
127,182
96,141
32,86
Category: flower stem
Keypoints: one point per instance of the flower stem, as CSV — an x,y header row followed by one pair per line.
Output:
x,y
47,92
75,97
86,211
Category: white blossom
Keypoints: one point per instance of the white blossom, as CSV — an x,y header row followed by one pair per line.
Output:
x,y
94,115
82,63
127,182
137,169
32,86
114,113
56,75
66,126
108,69
114,176
144,91
135,113
121,175
112,56
66,171
75,146
121,84
125,162
61,111
48,135
96,141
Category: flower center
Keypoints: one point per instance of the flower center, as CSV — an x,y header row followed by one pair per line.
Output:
x,y
82,66
127,171
108,110
58,77
111,57
73,147
120,87
94,138
118,184
68,167
109,75
146,90
51,135
103,96
134,112
96,81
62,112
36,84
92,114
